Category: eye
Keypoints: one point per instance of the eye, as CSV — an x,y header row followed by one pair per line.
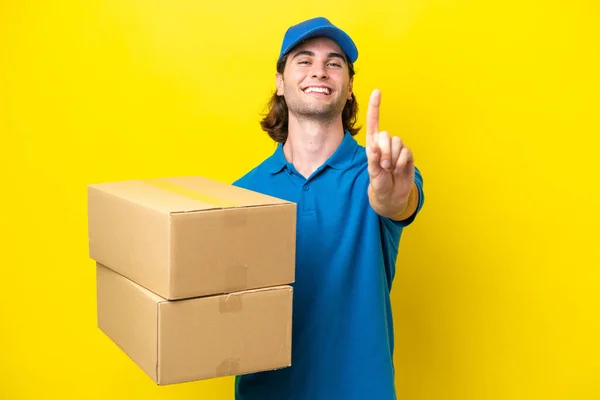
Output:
x,y
335,64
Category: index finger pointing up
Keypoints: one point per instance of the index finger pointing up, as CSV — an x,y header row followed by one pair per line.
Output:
x,y
373,114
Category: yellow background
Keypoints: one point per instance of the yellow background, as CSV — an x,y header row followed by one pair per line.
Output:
x,y
497,292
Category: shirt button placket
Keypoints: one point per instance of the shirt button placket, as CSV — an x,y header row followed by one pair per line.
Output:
x,y
308,201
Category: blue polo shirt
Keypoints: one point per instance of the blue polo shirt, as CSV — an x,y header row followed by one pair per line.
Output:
x,y
342,332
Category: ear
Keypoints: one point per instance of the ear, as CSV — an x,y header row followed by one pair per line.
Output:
x,y
350,85
279,83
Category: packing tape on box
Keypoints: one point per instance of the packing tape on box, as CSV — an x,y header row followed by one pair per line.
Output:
x,y
230,303
192,194
236,278
229,366
231,218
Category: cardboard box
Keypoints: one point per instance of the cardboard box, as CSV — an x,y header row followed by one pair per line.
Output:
x,y
186,340
191,236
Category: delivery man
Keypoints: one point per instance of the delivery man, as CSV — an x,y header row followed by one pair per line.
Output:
x,y
352,205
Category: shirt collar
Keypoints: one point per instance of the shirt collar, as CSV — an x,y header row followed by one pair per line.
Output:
x,y
277,161
340,158
344,154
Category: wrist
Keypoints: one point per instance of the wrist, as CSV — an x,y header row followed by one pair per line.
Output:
x,y
396,209
387,207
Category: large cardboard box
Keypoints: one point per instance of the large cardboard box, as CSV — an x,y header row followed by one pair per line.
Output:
x,y
186,340
187,237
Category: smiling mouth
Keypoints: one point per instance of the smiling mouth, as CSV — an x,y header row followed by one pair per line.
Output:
x,y
321,90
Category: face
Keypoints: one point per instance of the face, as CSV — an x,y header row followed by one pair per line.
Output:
x,y
315,82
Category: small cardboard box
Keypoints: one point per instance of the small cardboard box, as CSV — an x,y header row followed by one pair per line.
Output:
x,y
187,237
193,339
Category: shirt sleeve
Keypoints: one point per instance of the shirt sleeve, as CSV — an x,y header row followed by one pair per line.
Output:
x,y
391,231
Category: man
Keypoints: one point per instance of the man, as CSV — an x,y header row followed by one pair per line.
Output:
x,y
352,204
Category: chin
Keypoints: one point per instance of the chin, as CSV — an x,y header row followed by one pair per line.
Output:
x,y
319,112
316,109
324,108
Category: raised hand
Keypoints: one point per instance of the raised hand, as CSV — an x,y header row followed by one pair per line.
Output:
x,y
390,164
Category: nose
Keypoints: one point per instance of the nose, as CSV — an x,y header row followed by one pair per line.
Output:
x,y
319,71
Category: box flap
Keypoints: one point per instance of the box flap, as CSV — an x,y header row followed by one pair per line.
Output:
x,y
185,194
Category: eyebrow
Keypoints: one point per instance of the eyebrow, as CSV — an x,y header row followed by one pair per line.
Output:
x,y
312,54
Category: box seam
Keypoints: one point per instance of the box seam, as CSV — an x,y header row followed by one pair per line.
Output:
x,y
232,208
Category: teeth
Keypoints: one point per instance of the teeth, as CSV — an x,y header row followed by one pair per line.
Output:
x,y
317,90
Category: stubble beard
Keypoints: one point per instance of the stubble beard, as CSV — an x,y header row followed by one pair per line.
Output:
x,y
313,110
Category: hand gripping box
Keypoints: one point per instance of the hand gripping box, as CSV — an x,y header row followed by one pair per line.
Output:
x,y
199,338
186,237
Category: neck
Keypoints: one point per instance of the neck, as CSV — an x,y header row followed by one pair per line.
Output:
x,y
311,142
